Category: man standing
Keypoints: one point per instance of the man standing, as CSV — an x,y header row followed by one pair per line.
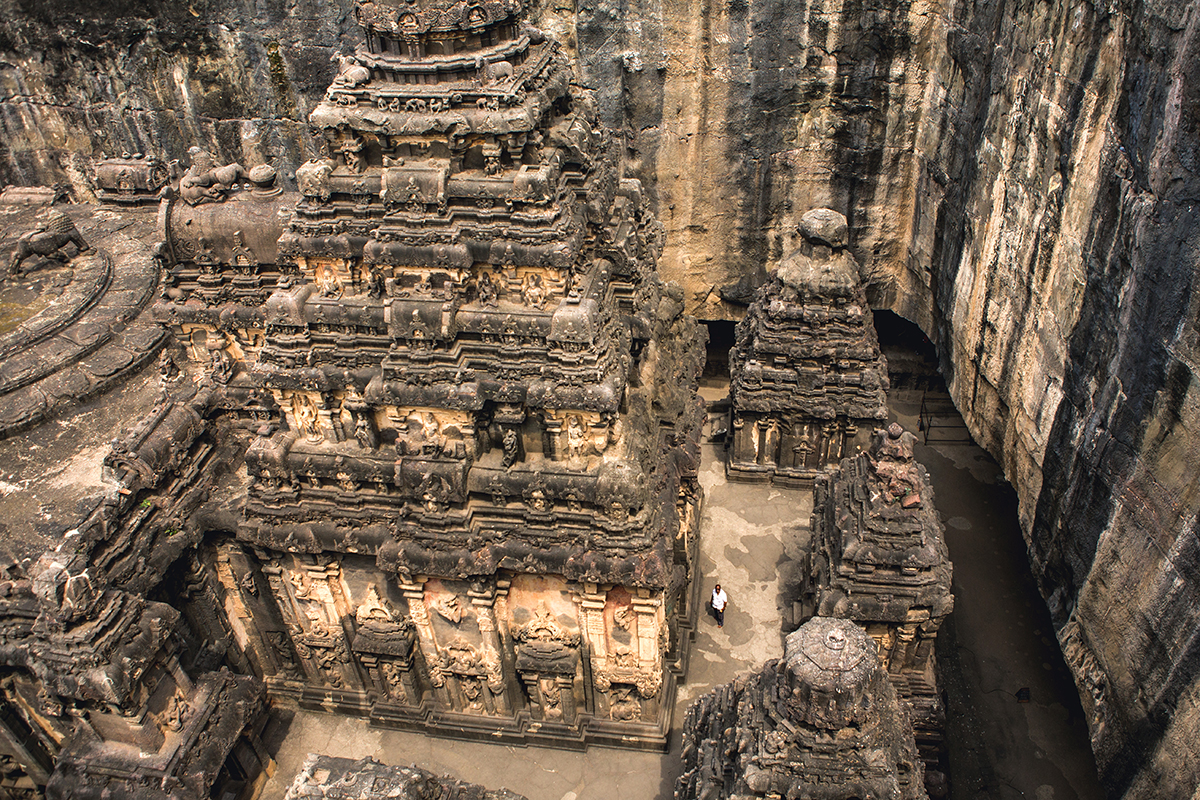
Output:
x,y
718,602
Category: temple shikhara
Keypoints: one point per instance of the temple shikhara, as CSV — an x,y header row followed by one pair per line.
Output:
x,y
467,401
808,383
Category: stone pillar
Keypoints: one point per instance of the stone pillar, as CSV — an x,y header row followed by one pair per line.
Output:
x,y
497,681
415,594
903,652
591,627
566,693
555,439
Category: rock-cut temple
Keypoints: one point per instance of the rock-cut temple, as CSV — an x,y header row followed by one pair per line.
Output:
x,y
427,451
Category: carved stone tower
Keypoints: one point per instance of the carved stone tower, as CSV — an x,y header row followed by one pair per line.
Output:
x,y
823,721
807,378
879,558
472,496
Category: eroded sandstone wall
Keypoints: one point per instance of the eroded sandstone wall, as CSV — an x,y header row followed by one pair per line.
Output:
x,y
85,78
1020,178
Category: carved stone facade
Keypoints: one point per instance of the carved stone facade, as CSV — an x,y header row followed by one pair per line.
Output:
x,y
467,403
823,721
807,378
332,778
879,558
101,697
427,449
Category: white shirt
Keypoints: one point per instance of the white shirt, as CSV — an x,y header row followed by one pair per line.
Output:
x,y
719,599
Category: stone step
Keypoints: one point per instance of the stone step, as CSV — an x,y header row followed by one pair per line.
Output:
x,y
92,337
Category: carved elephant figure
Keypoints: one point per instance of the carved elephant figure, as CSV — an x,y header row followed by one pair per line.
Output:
x,y
47,240
313,179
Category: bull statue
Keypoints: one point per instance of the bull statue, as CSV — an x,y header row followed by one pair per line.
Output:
x,y
53,233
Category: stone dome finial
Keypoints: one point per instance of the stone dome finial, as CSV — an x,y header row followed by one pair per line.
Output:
x,y
832,670
825,226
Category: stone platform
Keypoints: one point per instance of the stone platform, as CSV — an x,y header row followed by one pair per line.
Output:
x,y
73,331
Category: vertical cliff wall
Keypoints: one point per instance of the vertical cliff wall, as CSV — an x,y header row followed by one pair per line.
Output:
x,y
84,78
1020,178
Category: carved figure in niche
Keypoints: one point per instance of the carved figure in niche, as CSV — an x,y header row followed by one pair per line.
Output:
x,y
511,446
801,448
204,182
623,705
435,493
393,677
168,370
300,584
551,701
577,440
248,584
533,290
307,418
351,74
623,617
538,501
172,716
280,642
448,608
328,282
54,232
461,658
472,693
365,433
317,626
329,662
375,283
891,458
350,146
221,364
488,292
624,658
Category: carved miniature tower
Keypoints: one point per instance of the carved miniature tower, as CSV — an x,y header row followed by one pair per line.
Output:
x,y
807,378
473,495
879,558
823,721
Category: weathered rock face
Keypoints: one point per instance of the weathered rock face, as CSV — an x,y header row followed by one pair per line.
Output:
x,y
1019,180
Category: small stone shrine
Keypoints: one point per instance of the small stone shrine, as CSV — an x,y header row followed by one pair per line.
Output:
x,y
807,378
366,779
100,698
823,721
879,558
